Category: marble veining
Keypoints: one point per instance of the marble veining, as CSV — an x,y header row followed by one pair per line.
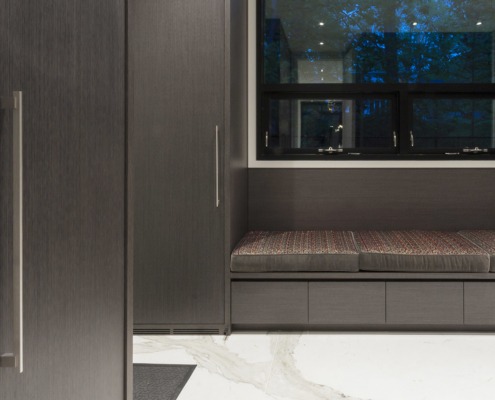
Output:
x,y
329,366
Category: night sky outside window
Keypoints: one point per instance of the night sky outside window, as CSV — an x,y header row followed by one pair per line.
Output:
x,y
428,65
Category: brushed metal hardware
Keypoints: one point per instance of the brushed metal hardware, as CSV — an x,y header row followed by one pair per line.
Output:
x,y
395,139
354,154
217,169
16,359
331,150
475,150
452,154
412,138
266,139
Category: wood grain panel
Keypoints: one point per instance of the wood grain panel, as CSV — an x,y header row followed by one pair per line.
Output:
x,y
68,59
269,302
347,302
450,199
237,114
236,165
479,303
435,303
178,99
6,343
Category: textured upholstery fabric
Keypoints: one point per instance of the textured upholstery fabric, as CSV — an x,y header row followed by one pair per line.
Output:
x,y
419,251
485,240
290,251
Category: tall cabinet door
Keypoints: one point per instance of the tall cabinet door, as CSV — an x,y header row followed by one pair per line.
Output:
x,y
177,90
68,59
6,278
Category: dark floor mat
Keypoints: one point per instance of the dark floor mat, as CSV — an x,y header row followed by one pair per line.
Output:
x,y
160,382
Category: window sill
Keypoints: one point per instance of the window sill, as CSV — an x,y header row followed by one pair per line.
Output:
x,y
390,162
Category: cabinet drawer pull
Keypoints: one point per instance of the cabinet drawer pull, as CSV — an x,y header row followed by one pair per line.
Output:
x,y
15,360
217,169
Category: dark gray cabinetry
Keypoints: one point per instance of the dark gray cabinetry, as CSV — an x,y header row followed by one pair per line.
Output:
x,y
479,303
178,130
347,303
269,303
439,303
400,303
68,59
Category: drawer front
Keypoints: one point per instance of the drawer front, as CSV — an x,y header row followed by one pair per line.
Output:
x,y
347,303
479,303
269,302
429,303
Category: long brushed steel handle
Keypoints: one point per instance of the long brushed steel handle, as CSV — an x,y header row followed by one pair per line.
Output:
x,y
217,168
411,138
16,359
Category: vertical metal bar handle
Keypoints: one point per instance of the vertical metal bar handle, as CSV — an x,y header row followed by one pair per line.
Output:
x,y
15,360
217,169
395,139
412,138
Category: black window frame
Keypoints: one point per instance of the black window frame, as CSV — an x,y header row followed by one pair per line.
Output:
x,y
402,93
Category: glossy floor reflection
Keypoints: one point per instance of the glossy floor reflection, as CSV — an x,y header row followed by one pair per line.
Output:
x,y
313,366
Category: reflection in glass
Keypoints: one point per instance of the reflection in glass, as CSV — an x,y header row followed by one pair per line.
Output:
x,y
454,123
362,41
338,123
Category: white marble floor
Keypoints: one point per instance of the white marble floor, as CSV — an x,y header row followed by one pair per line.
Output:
x,y
311,366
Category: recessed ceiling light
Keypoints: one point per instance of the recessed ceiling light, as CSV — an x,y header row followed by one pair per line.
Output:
x,y
321,43
322,70
479,23
415,23
322,23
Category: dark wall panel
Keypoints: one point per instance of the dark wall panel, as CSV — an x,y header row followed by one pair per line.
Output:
x,y
238,121
371,199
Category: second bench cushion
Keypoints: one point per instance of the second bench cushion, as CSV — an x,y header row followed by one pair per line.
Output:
x,y
291,251
419,251
484,239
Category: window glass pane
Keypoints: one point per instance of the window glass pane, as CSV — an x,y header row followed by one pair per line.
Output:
x,y
380,41
314,124
453,123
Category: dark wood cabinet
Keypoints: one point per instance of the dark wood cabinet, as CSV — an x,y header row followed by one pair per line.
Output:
x,y
425,303
479,303
269,303
68,59
358,303
178,129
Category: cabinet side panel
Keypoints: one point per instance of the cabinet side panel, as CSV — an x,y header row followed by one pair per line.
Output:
x,y
238,117
6,343
179,91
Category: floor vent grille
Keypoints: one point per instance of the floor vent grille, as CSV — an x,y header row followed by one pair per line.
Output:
x,y
178,331
153,331
184,331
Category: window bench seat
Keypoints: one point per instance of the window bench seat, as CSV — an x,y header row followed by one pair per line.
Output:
x,y
403,280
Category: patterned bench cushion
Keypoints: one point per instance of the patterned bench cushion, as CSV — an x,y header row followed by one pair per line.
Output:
x,y
485,240
291,251
419,251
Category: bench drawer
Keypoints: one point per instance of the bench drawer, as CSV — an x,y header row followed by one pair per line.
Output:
x,y
428,303
269,302
352,303
479,303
